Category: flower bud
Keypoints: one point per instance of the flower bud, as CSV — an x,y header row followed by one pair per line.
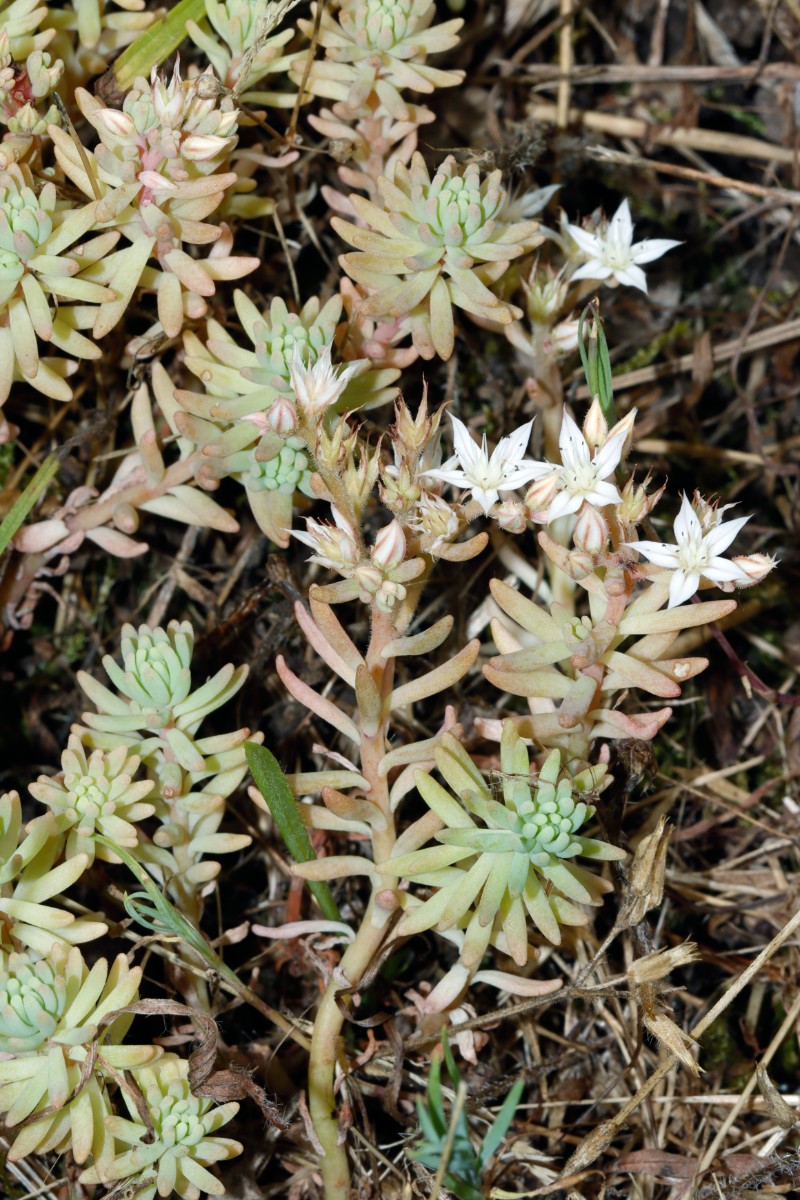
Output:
x,y
591,531
565,337
540,496
755,566
511,516
595,426
116,122
282,417
369,580
390,547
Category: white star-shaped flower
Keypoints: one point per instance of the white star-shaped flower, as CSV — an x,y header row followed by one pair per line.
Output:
x,y
581,477
612,253
695,555
487,475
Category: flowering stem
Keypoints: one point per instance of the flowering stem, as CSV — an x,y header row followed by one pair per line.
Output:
x,y
368,940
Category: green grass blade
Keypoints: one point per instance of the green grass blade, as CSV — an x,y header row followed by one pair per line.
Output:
x,y
494,1137
156,43
285,810
24,503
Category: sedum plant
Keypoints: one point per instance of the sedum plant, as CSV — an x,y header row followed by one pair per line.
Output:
x,y
379,47
44,261
504,854
434,244
159,172
172,1152
50,1010
243,50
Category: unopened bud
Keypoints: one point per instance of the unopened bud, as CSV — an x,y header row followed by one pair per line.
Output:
x,y
116,122
540,496
591,530
200,147
565,337
624,431
390,547
512,516
595,426
282,416
755,566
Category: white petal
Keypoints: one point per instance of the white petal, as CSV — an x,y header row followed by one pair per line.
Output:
x,y
632,276
564,503
657,552
572,444
721,570
687,527
589,243
593,269
524,473
486,499
603,493
607,458
682,586
515,445
723,534
652,248
620,227
457,478
467,449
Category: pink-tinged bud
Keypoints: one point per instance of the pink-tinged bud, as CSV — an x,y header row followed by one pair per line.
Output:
x,y
578,564
511,516
540,495
116,122
595,426
755,566
200,147
156,182
591,531
390,547
369,580
282,417
624,430
565,337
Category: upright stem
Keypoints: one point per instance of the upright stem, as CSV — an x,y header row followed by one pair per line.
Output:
x,y
368,940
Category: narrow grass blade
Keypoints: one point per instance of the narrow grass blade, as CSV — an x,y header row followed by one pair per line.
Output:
x,y
24,503
272,784
156,43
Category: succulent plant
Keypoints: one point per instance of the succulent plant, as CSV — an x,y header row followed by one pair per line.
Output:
x,y
155,714
436,243
30,878
508,848
182,1143
91,33
245,50
380,47
41,264
96,794
158,168
246,422
49,1016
